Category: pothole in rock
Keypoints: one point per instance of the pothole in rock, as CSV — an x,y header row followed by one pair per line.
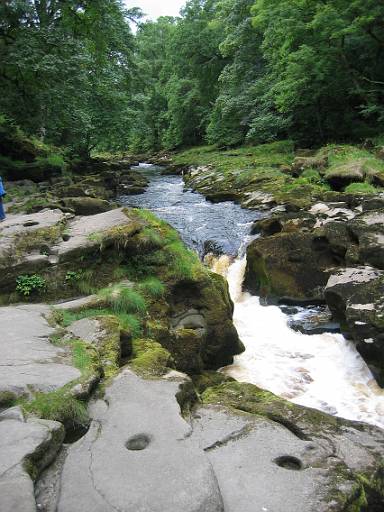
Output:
x,y
65,237
138,442
289,462
30,223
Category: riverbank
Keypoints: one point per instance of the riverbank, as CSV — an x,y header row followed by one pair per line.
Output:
x,y
154,309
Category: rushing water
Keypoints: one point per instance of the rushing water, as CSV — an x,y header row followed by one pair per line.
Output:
x,y
323,371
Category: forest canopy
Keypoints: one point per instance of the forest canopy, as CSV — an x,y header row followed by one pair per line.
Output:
x,y
226,72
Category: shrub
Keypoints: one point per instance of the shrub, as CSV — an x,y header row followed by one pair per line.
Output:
x,y
28,284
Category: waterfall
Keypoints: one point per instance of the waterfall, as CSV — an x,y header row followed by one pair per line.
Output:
x,y
323,371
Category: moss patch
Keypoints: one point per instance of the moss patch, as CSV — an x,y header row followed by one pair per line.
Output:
x,y
150,359
58,405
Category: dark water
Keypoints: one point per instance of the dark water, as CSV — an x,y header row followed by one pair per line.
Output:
x,y
199,222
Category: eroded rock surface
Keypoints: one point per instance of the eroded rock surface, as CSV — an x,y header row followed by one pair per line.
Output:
x,y
29,362
356,298
26,448
138,455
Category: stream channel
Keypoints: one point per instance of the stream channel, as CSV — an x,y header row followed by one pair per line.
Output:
x,y
323,371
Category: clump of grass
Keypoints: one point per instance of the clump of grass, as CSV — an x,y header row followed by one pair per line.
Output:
x,y
184,263
123,299
247,157
131,323
360,188
82,360
153,287
127,321
58,405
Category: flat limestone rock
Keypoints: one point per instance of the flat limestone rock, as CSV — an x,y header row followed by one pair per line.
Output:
x,y
262,466
89,330
20,441
138,456
28,360
19,225
83,232
77,304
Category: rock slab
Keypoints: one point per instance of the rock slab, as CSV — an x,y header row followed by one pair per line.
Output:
x,y
138,456
29,362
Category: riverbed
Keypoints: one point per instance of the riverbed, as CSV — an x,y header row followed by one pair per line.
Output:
x,y
323,371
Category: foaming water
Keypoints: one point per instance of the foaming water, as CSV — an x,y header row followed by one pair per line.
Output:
x,y
323,371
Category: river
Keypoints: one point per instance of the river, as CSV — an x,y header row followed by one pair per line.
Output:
x,y
323,371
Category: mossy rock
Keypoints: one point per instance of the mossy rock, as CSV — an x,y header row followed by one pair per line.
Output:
x,y
290,266
150,359
86,205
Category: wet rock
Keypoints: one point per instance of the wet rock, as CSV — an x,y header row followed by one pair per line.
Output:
x,y
86,205
355,297
138,455
313,321
283,221
288,266
26,448
132,182
373,203
29,361
202,326
368,229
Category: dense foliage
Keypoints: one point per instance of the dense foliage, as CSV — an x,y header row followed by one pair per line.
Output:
x,y
227,72
66,69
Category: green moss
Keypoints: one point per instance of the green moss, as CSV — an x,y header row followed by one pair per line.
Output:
x,y
58,405
149,359
35,240
209,379
274,154
249,398
109,349
361,188
83,356
260,276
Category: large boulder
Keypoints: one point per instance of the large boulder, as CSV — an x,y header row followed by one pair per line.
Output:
x,y
343,175
301,163
355,297
368,229
86,205
26,448
202,332
293,265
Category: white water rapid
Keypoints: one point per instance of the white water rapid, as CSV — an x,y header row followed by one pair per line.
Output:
x,y
322,371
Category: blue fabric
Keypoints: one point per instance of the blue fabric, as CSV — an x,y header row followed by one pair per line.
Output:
x,y
2,191
2,212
